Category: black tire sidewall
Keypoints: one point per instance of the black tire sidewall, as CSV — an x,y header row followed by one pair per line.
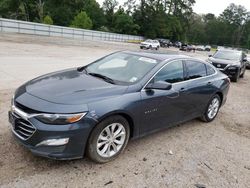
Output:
x,y
91,146
236,77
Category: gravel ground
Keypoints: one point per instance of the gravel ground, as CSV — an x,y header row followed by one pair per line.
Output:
x,y
189,155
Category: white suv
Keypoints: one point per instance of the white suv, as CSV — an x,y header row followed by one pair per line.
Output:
x,y
150,44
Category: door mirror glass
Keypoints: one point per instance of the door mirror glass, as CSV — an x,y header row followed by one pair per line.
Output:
x,y
161,85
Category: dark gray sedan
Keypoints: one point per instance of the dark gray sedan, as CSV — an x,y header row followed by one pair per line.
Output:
x,y
96,109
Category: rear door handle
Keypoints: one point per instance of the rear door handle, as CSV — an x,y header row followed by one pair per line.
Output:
x,y
209,83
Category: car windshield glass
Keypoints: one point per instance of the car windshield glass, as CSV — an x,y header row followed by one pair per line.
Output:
x,y
227,55
122,67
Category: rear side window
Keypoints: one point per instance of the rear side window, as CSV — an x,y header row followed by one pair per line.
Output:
x,y
195,69
210,70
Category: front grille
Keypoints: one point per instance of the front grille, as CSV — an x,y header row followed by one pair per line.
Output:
x,y
23,128
219,65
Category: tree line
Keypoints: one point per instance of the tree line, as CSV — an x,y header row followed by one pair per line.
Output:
x,y
172,19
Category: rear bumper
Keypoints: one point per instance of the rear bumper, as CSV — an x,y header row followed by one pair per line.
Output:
x,y
77,133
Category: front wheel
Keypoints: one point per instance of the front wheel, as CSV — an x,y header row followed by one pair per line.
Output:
x,y
242,75
236,77
108,139
212,109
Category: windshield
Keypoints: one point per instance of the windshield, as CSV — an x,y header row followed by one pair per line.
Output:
x,y
122,67
228,55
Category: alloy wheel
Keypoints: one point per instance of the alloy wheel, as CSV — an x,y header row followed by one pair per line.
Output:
x,y
213,108
111,140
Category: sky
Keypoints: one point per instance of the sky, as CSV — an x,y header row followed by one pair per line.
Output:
x,y
209,6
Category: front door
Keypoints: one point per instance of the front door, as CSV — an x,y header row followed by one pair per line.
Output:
x,y
163,108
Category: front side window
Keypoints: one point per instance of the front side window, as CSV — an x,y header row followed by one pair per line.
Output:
x,y
195,69
171,73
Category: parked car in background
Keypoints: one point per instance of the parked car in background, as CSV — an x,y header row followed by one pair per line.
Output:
x,y
164,42
150,44
177,44
208,48
248,61
186,47
230,62
200,48
97,108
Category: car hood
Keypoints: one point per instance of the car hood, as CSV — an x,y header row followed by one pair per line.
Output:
x,y
71,87
223,61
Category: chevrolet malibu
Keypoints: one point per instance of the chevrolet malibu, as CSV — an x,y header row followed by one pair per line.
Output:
x,y
95,109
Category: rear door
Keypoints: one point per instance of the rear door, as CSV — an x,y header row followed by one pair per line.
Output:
x,y
200,86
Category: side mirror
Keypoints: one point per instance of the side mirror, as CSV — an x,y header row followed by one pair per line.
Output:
x,y
210,55
159,85
244,59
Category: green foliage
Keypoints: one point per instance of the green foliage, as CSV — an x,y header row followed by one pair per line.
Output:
x,y
172,19
95,13
48,20
81,20
123,23
104,28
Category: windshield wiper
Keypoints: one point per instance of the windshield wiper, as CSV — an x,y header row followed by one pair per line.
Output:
x,y
110,80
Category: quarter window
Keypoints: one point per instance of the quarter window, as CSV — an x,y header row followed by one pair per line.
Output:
x,y
171,73
195,69
210,70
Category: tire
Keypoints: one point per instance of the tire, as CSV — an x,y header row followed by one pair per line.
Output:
x,y
207,117
157,48
236,77
102,155
141,47
150,47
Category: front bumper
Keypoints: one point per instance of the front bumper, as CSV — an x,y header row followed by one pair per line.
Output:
x,y
144,46
230,72
77,133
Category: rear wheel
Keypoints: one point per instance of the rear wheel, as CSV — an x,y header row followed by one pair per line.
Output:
x,y
212,109
108,139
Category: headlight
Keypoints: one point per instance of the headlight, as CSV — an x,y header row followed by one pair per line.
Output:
x,y
12,100
232,68
60,119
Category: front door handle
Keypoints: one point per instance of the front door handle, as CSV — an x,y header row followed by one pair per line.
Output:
x,y
209,83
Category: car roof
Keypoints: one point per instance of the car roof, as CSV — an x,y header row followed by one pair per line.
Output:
x,y
157,56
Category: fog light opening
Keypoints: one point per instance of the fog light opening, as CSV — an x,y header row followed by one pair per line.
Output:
x,y
54,142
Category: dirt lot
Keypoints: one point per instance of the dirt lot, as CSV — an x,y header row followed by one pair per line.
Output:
x,y
215,154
